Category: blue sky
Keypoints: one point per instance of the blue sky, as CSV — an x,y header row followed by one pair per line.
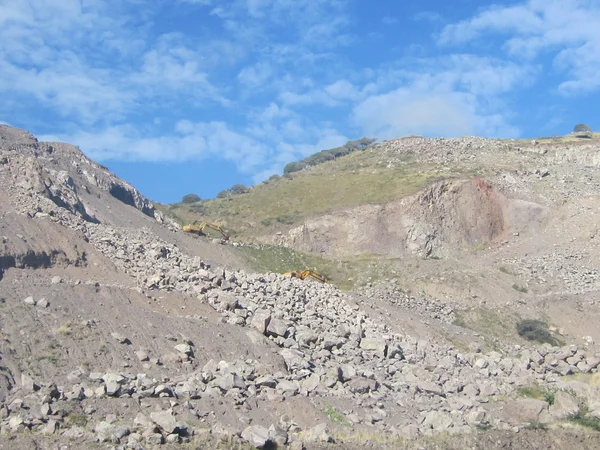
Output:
x,y
193,96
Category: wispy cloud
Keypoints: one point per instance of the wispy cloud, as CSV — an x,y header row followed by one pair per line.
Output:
x,y
264,82
456,95
570,29
428,16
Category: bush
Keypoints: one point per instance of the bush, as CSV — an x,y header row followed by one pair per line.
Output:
x,y
190,198
238,189
287,218
225,193
198,208
535,330
329,154
585,419
582,130
581,127
293,167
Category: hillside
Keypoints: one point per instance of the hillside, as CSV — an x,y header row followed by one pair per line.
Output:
x,y
118,330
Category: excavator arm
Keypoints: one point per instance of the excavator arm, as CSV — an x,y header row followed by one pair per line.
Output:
x,y
305,274
199,229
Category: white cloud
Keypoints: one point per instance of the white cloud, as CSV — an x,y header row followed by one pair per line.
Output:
x,y
428,16
568,29
456,95
256,75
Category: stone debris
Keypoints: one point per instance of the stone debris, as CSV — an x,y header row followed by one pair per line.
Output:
x,y
329,347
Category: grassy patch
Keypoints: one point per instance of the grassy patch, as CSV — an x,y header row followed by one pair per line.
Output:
x,y
345,274
504,269
538,393
492,324
536,330
536,426
359,178
583,418
336,416
65,329
80,420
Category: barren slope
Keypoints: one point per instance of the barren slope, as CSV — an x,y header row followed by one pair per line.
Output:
x,y
118,329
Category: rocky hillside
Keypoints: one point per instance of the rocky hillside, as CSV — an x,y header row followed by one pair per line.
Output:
x,y
119,331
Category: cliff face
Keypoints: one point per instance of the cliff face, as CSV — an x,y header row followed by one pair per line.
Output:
x,y
63,174
445,217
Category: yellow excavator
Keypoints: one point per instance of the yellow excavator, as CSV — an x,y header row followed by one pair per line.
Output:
x,y
305,274
198,228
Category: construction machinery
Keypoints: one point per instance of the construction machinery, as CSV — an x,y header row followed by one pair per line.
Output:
x,y
305,274
198,228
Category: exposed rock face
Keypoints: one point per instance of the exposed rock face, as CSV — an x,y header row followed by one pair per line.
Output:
x,y
59,171
445,216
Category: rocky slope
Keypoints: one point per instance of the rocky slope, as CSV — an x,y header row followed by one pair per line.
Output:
x,y
119,329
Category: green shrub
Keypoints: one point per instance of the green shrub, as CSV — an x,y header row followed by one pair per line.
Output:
x,y
536,426
585,419
287,218
266,222
293,167
190,198
238,189
535,330
198,208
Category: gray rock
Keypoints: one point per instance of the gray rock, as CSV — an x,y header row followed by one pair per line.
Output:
x,y
318,433
261,319
277,327
120,338
362,385
278,435
186,349
165,420
256,435
438,421
564,405
29,301
375,345
294,359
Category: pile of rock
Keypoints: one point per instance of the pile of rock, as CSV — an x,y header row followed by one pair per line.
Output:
x,y
389,292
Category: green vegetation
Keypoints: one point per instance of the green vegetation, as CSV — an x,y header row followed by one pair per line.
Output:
x,y
490,323
358,178
582,130
190,198
538,393
583,418
345,274
79,420
328,155
336,416
536,426
535,330
519,288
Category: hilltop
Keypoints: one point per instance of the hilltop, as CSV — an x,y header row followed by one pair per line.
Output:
x,y
118,330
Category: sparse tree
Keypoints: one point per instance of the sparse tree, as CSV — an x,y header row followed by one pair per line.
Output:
x,y
293,167
225,193
238,189
190,198
583,130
